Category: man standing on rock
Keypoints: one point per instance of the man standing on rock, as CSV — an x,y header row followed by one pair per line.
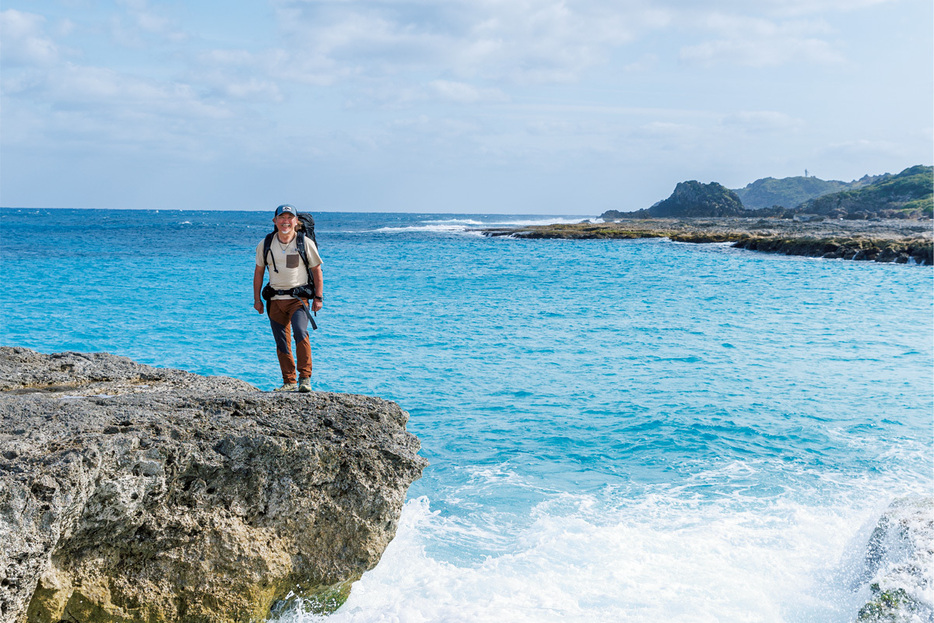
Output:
x,y
294,279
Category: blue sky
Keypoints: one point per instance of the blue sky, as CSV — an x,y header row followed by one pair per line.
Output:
x,y
496,106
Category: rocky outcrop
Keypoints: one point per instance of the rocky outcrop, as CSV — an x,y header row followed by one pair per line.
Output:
x,y
899,564
917,250
131,493
689,199
696,199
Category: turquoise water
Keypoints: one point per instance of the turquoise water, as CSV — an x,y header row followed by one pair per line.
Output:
x,y
618,430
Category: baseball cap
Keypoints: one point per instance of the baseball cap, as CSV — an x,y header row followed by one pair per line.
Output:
x,y
286,208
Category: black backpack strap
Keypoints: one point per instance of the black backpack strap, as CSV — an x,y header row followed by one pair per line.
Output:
x,y
303,252
300,245
314,325
267,245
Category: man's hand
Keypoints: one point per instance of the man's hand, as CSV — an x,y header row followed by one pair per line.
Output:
x,y
316,305
258,306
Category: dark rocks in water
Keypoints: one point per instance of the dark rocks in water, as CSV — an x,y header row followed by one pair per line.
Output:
x,y
899,241
898,564
916,250
131,493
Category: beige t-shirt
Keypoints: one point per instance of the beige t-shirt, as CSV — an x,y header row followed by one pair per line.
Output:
x,y
291,269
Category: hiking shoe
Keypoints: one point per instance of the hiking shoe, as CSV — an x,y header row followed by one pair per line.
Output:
x,y
287,387
304,385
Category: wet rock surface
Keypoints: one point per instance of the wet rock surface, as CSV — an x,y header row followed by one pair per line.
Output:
x,y
899,564
132,493
892,240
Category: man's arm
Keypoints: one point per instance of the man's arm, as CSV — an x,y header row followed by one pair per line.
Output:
x,y
318,276
258,273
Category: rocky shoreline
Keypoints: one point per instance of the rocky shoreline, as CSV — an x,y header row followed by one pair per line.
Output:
x,y
895,578
894,240
132,493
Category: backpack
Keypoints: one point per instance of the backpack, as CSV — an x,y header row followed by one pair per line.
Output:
x,y
306,227
306,224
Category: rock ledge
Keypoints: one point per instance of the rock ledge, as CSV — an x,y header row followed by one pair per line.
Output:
x,y
132,493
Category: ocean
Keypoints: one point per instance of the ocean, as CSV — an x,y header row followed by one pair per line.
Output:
x,y
617,430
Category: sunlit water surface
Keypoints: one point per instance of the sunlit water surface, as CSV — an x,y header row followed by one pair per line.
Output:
x,y
617,430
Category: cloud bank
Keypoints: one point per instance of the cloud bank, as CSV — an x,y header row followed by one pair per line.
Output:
x,y
507,92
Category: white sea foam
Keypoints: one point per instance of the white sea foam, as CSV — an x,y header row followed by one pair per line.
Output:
x,y
660,559
471,226
440,228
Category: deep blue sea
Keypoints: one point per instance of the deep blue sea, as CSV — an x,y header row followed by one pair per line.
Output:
x,y
636,430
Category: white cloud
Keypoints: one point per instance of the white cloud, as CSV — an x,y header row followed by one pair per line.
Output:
x,y
794,8
23,40
773,8
863,148
250,88
760,121
663,130
759,42
141,22
537,41
463,93
437,127
40,75
105,92
515,41
236,74
646,62
760,53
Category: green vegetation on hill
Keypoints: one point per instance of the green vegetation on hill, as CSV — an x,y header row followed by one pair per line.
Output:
x,y
788,192
910,194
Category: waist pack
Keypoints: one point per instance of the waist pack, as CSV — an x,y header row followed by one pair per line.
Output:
x,y
301,293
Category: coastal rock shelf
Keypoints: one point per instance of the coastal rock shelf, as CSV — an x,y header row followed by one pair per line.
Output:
x,y
900,241
132,493
898,564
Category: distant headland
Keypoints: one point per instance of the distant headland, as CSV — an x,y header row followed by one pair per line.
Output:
x,y
907,195
883,218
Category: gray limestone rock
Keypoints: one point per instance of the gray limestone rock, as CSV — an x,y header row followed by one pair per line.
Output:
x,y
899,565
132,493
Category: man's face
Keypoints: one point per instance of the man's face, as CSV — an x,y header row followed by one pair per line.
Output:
x,y
285,222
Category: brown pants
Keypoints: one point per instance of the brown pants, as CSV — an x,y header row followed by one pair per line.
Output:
x,y
284,316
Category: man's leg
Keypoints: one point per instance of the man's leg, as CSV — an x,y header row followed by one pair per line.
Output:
x,y
279,321
302,342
